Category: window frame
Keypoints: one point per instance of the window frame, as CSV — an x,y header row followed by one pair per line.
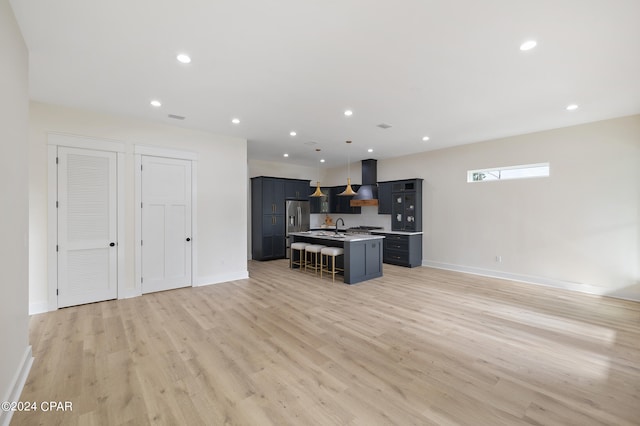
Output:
x,y
497,173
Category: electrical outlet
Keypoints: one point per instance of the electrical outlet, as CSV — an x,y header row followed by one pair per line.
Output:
x,y
499,259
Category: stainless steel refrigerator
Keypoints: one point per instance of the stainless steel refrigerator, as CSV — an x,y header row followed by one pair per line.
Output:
x,y
298,219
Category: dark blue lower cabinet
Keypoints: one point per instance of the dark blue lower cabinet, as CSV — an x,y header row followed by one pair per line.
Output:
x,y
364,259
403,250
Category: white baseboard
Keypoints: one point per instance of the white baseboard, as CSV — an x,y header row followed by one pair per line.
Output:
x,y
530,279
221,278
16,385
38,307
128,293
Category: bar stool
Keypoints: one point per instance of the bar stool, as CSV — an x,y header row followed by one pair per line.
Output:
x,y
313,249
302,258
332,252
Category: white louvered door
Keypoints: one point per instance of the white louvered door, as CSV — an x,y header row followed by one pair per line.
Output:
x,y
87,226
166,223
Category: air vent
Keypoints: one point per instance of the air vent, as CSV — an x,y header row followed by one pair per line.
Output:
x,y
384,126
177,117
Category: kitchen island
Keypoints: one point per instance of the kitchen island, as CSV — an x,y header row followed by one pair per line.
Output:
x,y
362,258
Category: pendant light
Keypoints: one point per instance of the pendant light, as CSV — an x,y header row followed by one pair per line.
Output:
x,y
318,191
348,191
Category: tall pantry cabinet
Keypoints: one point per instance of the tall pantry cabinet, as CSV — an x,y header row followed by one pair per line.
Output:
x,y
268,216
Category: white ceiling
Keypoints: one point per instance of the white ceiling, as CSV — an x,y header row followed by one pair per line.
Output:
x,y
449,69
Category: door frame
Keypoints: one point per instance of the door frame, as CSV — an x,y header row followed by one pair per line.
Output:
x,y
55,140
152,151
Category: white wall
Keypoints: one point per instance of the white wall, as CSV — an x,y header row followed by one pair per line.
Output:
x,y
221,190
577,229
15,355
282,170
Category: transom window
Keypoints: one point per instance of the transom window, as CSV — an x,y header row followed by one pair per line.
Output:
x,y
510,172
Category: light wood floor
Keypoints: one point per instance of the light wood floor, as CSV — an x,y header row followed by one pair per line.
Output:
x,y
416,347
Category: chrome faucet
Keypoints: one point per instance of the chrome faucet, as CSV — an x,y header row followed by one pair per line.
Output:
x,y
337,223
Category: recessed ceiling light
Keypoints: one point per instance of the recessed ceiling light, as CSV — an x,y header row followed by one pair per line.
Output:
x,y
370,150
528,45
292,133
236,121
285,155
322,160
572,107
348,113
156,103
183,58
425,138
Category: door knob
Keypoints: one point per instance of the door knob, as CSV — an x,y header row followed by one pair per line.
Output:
x,y
188,239
112,244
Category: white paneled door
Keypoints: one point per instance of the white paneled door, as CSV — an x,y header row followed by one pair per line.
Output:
x,y
87,226
166,223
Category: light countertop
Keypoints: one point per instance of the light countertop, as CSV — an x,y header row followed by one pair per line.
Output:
x,y
382,231
331,235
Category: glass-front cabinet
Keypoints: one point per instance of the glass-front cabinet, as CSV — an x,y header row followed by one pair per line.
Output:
x,y
404,211
406,206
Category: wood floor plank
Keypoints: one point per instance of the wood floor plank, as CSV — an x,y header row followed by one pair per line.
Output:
x,y
418,346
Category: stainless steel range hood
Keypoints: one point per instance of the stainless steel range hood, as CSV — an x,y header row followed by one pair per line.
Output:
x,y
367,194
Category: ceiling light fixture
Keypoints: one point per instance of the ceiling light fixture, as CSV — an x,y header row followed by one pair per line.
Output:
x,y
236,121
528,45
183,58
292,133
322,160
348,190
285,155
425,138
318,192
370,150
572,107
348,113
156,103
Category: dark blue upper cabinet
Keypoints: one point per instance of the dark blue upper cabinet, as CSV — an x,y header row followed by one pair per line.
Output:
x,y
296,189
384,197
320,204
341,204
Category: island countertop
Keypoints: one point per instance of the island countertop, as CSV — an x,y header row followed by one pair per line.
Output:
x,y
331,235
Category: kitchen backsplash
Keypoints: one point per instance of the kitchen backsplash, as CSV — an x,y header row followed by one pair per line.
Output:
x,y
369,216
